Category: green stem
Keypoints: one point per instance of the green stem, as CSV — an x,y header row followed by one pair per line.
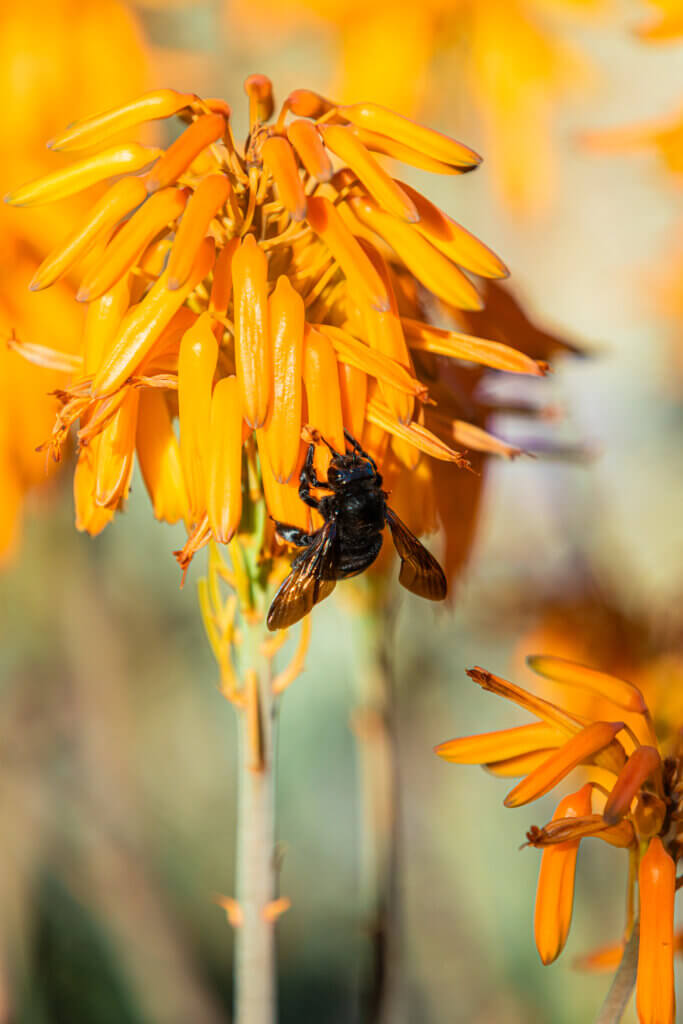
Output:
x,y
622,984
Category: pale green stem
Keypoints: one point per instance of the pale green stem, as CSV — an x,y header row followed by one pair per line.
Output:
x,y
620,990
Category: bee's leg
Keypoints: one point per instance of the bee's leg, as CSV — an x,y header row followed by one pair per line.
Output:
x,y
357,448
308,479
293,535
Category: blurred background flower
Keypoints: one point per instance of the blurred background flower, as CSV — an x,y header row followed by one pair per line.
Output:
x,y
115,768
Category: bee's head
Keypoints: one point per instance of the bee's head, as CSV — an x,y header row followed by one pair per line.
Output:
x,y
346,469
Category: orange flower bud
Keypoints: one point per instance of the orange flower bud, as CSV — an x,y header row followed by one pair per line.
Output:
x,y
84,173
159,458
253,356
580,749
259,89
115,453
283,430
326,222
425,338
353,388
102,321
414,433
642,763
143,323
620,692
432,143
90,518
453,240
186,148
657,887
221,286
497,746
196,367
390,196
278,157
224,473
93,131
321,377
114,205
128,244
359,355
205,203
555,889
306,140
378,143
304,103
431,267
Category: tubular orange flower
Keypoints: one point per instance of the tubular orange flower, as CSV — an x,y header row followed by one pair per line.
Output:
x,y
244,265
555,889
657,886
642,799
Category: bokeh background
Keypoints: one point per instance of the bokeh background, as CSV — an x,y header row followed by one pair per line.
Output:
x,y
117,785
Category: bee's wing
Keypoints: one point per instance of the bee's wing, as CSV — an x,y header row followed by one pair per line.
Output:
x,y
313,578
420,571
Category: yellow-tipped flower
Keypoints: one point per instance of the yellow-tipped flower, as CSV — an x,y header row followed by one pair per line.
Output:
x,y
258,293
638,787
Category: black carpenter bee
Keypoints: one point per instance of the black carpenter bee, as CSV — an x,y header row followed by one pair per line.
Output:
x,y
355,514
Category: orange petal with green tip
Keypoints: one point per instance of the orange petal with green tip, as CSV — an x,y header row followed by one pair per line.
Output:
x,y
424,338
353,387
620,692
306,140
115,454
278,157
655,997
385,334
93,131
196,367
555,889
453,240
144,322
406,154
159,458
356,353
115,204
283,429
580,749
378,414
437,273
432,143
357,268
84,173
642,763
253,355
497,746
221,286
129,243
186,148
381,186
323,397
224,473
204,204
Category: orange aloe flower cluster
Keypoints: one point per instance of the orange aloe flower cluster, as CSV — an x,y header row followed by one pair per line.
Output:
x,y
42,74
632,799
252,291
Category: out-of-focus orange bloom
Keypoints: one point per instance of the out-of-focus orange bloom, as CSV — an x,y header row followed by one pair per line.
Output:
x,y
250,278
47,52
635,776
509,58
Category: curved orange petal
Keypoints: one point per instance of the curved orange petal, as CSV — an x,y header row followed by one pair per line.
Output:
x,y
555,889
620,692
353,387
306,103
278,157
159,458
417,435
204,204
90,518
323,397
186,148
428,141
579,749
221,286
642,763
657,887
84,173
377,143
425,338
306,140
253,357
283,429
196,367
390,195
92,131
115,453
129,243
505,743
386,370
224,471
